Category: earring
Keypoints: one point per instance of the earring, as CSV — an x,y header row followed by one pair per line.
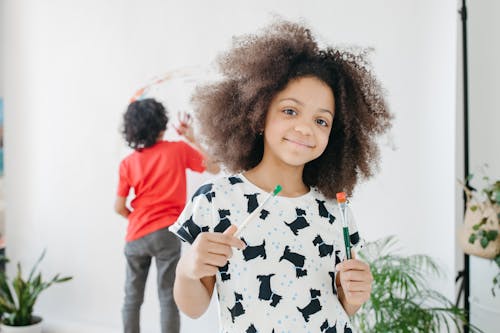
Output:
x,y
261,133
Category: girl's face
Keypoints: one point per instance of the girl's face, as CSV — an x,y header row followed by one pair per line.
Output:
x,y
298,122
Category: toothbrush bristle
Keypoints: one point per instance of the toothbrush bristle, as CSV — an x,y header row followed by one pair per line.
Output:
x,y
341,198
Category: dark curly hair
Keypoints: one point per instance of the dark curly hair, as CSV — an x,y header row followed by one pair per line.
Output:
x,y
143,122
232,112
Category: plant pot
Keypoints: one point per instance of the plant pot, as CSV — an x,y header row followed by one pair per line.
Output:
x,y
36,327
489,212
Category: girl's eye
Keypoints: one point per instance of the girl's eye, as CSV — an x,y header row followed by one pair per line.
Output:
x,y
322,122
289,112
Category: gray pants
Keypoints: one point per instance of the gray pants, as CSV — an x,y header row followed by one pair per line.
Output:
x,y
165,248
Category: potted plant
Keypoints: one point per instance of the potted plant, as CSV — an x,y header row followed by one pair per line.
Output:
x,y
479,234
18,297
401,300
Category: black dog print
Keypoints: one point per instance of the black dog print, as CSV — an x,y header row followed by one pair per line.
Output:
x,y
224,222
205,190
325,327
299,223
354,238
334,286
313,306
332,274
224,275
324,249
251,329
190,230
252,203
237,309
323,212
235,180
347,329
263,214
296,259
252,252
337,257
265,291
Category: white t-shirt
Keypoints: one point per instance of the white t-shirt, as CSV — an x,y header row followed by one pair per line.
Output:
x,y
284,281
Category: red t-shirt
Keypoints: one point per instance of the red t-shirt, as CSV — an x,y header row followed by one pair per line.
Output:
x,y
158,176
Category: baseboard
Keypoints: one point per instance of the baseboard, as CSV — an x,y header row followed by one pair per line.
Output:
x,y
76,327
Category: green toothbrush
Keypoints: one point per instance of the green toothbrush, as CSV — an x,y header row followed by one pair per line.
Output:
x,y
243,225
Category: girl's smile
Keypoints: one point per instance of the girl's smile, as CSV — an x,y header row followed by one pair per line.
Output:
x,y
299,142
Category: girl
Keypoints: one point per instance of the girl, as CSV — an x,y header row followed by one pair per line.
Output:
x,y
288,113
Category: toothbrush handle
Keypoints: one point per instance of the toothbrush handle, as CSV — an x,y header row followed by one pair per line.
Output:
x,y
252,215
347,242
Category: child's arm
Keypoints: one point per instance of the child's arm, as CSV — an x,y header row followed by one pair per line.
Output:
x,y
192,296
195,273
185,129
121,206
210,166
354,284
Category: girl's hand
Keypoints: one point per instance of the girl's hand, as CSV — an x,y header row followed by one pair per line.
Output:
x,y
209,251
355,279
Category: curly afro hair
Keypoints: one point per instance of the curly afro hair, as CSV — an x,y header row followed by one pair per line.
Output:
x,y
143,122
232,111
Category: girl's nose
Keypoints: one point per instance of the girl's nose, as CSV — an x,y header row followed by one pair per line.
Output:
x,y
302,128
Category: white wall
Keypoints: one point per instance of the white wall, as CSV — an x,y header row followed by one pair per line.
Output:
x,y
71,67
484,109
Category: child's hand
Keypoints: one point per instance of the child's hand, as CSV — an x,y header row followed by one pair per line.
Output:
x,y
209,251
356,281
184,128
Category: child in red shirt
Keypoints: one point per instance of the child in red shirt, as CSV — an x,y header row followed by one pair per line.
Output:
x,y
156,170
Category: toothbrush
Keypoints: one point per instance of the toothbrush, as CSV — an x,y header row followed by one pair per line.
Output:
x,y
342,202
243,225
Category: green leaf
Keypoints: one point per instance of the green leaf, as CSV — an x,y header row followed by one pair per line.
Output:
x,y
473,208
484,242
36,264
497,196
64,279
472,238
492,235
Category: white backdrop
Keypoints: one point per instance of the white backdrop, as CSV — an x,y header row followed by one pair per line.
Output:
x,y
71,66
